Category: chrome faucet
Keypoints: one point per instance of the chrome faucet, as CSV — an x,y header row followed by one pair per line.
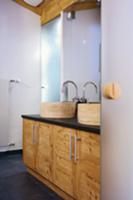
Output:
x,y
65,90
84,99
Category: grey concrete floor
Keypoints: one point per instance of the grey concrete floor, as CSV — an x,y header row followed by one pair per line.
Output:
x,y
17,184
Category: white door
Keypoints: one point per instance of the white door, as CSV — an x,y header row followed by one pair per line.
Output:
x,y
117,115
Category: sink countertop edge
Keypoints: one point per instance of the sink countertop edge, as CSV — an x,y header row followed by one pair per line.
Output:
x,y
68,123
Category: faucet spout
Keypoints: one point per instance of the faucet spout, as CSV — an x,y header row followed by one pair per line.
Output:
x,y
84,89
65,89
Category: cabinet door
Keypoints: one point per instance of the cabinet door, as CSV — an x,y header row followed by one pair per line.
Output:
x,y
44,160
88,166
29,142
64,169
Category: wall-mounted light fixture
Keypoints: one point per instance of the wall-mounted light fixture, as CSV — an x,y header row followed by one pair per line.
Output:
x,y
71,15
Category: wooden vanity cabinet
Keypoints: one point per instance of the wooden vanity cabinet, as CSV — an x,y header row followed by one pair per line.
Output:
x,y
66,160
30,139
88,166
44,156
64,169
38,147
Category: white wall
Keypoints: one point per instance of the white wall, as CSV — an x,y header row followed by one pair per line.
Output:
x,y
20,58
117,115
81,40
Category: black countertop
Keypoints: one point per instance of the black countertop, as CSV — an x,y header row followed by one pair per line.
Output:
x,y
70,123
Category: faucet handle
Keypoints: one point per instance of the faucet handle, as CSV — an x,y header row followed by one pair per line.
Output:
x,y
83,100
76,99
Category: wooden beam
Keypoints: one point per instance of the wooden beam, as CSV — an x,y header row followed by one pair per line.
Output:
x,y
53,8
82,6
36,10
50,9
41,5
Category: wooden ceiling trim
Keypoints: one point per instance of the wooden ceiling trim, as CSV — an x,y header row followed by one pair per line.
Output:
x,y
36,10
65,3
53,8
50,9
43,3
82,6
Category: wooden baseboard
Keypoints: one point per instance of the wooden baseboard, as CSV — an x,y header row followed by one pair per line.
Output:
x,y
50,185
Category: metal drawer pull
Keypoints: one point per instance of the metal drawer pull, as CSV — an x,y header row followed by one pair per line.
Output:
x,y
70,147
75,147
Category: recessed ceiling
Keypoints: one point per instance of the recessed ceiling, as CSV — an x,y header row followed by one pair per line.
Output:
x,y
33,2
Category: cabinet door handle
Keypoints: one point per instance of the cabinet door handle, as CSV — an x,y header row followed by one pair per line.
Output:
x,y
70,147
33,134
75,147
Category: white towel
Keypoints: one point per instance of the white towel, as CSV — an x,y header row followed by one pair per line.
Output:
x,y
4,113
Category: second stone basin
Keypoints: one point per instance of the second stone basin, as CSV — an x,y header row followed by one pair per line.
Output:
x,y
89,113
58,109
